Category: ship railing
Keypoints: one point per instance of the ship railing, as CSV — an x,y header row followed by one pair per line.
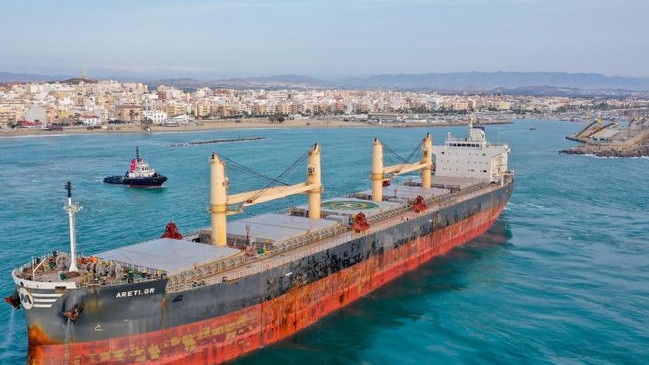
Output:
x,y
102,272
279,260
31,268
207,273
201,273
388,214
295,242
447,199
123,273
233,268
194,278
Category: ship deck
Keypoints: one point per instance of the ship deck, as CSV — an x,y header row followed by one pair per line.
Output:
x,y
257,242
167,255
271,229
287,237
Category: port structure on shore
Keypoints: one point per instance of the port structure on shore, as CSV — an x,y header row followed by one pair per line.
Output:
x,y
612,139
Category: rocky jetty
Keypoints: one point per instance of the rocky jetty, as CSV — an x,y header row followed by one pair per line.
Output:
x,y
638,146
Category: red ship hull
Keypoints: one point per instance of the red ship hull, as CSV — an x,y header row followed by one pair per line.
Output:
x,y
230,336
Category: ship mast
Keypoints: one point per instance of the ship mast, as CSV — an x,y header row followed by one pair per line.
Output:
x,y
72,209
377,171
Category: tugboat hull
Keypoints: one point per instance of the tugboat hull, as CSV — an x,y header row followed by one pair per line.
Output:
x,y
150,182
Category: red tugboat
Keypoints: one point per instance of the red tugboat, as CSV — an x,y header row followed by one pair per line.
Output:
x,y
237,286
139,175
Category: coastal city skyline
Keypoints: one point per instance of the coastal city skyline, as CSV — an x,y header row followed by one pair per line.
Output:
x,y
100,103
324,39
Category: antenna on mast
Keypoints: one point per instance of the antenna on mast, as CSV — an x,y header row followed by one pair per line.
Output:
x,y
72,209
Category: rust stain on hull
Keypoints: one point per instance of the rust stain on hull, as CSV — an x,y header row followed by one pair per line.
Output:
x,y
227,337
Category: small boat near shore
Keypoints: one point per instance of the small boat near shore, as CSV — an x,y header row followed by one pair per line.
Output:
x,y
139,175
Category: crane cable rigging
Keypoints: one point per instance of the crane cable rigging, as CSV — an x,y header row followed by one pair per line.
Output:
x,y
403,161
271,180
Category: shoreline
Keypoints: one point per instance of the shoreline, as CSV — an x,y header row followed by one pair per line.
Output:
x,y
230,124
205,125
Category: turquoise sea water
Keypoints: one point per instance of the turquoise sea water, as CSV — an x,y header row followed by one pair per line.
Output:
x,y
562,277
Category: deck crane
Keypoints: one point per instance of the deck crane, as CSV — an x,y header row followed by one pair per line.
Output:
x,y
220,201
381,173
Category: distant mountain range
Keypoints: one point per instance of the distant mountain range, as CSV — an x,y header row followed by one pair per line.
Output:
x,y
487,81
524,83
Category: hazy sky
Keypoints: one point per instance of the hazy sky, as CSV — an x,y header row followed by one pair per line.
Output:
x,y
323,38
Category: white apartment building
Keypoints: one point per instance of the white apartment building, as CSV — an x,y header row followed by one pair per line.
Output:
x,y
149,112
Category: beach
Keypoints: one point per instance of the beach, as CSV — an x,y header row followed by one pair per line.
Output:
x,y
250,123
213,124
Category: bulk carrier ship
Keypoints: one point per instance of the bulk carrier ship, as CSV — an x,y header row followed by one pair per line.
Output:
x,y
237,286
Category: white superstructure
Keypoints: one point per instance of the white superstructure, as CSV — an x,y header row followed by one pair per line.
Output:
x,y
472,156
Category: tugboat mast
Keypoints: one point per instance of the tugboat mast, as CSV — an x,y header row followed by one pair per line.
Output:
x,y
72,209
